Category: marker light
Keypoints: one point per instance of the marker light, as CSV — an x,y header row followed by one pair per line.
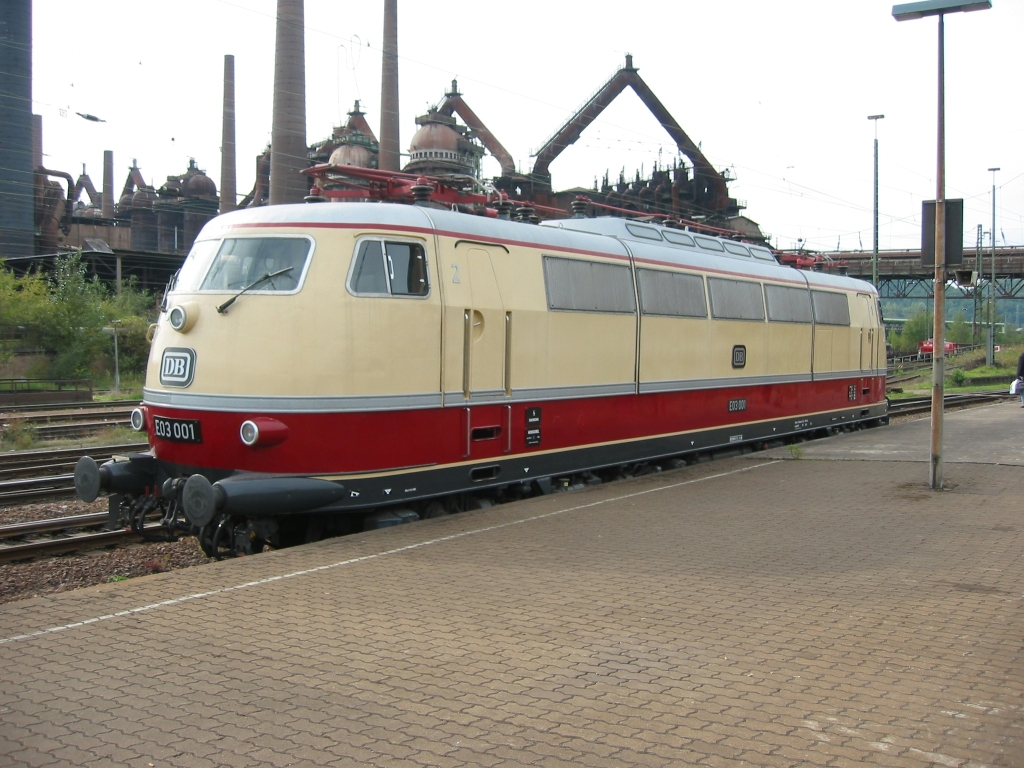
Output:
x,y
138,420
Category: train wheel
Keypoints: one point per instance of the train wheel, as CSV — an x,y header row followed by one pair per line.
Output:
x,y
434,509
217,538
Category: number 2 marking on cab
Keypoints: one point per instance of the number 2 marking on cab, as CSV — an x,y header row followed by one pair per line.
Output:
x,y
455,277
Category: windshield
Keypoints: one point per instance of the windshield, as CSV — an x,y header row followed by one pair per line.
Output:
x,y
195,265
243,260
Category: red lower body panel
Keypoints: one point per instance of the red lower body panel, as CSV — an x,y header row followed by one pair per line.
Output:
x,y
358,442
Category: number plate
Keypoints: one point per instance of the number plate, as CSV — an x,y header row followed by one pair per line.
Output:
x,y
177,430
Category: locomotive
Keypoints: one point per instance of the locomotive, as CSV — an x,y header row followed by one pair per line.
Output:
x,y
360,362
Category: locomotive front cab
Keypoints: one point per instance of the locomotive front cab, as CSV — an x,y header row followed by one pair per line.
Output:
x,y
270,331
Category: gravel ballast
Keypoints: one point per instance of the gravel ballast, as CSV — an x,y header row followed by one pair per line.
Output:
x,y
61,573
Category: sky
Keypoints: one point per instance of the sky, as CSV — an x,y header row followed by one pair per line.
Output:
x,y
777,92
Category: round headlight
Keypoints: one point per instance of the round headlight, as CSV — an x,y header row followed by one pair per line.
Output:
x,y
249,432
138,420
177,317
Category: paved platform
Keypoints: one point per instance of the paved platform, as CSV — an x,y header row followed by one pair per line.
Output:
x,y
764,610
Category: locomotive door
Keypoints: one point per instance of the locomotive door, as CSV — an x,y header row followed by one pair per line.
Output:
x,y
476,329
868,333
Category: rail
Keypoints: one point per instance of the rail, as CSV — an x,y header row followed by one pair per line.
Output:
x,y
83,541
913,406
32,476
67,420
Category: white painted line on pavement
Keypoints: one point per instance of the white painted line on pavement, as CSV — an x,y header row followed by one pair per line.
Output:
x,y
364,558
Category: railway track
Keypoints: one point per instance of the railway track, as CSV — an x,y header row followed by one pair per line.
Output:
x,y
68,534
68,420
912,406
61,534
31,476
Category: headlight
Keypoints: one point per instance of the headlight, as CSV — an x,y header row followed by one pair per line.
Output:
x,y
249,432
182,317
138,420
177,317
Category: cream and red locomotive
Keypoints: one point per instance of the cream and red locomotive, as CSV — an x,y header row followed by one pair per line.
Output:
x,y
339,359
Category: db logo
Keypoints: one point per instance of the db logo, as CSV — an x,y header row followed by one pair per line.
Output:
x,y
177,367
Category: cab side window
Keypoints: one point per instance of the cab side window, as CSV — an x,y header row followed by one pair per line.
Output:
x,y
383,268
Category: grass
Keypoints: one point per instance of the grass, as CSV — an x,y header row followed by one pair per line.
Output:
x,y
17,436
134,393
112,436
962,371
131,388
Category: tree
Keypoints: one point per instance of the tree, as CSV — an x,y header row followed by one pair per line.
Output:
x,y
23,303
131,310
959,331
74,320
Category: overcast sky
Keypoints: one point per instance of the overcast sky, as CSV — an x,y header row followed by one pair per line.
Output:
x,y
779,92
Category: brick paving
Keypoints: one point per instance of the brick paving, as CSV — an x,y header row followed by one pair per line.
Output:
x,y
763,610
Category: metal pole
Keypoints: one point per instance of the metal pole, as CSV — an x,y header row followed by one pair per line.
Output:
x,y
117,367
938,336
990,353
874,252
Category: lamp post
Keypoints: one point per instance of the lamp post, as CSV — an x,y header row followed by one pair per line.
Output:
x,y
874,251
990,347
907,12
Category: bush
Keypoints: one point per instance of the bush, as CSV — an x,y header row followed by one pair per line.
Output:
x,y
74,320
132,347
65,315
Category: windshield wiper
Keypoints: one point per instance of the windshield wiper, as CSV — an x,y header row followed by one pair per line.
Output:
x,y
269,276
171,283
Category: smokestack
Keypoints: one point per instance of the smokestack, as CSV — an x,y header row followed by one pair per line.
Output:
x,y
228,198
107,206
288,136
17,180
389,159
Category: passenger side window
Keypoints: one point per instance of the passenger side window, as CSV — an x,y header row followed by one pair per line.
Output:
x,y
407,269
383,268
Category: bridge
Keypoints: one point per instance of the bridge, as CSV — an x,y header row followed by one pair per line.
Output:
x,y
901,276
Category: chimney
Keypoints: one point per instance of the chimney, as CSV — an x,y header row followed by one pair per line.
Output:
x,y
288,135
107,204
228,198
389,158
17,215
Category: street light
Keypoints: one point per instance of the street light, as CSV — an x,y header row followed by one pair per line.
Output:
x,y
990,347
906,12
874,252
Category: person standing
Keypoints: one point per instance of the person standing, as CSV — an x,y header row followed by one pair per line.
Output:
x,y
1020,378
